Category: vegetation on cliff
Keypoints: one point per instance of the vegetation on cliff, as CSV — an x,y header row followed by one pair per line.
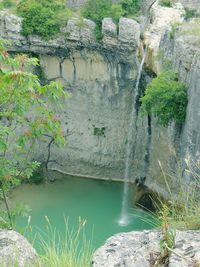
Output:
x,y
165,98
96,10
44,17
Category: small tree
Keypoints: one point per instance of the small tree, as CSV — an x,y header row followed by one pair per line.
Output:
x,y
26,116
166,98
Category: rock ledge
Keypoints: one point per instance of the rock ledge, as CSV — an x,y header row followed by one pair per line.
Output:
x,y
137,249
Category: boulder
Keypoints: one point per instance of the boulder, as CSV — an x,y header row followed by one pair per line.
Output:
x,y
78,29
15,250
137,249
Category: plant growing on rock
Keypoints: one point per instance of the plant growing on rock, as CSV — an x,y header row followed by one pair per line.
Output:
x,y
43,17
165,98
7,4
167,3
26,116
130,7
96,10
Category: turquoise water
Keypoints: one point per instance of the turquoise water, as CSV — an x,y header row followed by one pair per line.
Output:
x,y
98,202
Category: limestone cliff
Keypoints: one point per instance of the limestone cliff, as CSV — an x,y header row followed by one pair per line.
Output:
x,y
101,78
183,52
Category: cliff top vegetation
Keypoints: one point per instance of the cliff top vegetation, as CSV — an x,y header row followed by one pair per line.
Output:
x,y
46,17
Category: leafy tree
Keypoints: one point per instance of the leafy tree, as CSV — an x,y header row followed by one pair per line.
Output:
x,y
43,17
26,116
166,98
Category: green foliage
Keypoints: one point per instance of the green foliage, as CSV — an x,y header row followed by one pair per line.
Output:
x,y
190,13
174,28
37,177
182,211
7,4
43,17
72,249
130,7
96,10
167,3
117,12
168,241
166,98
99,131
25,106
18,210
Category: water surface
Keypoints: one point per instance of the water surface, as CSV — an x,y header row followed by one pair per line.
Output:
x,y
99,202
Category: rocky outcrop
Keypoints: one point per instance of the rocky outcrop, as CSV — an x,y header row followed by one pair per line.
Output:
x,y
15,250
136,249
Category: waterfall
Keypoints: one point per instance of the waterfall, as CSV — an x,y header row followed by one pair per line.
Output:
x,y
124,217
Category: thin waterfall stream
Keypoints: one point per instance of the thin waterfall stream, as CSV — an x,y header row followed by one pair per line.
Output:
x,y
124,217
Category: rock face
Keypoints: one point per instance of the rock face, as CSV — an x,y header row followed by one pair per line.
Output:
x,y
182,52
162,19
101,77
15,250
136,249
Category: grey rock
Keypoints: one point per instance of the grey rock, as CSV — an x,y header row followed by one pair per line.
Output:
x,y
129,31
136,249
109,31
87,31
15,249
13,23
183,52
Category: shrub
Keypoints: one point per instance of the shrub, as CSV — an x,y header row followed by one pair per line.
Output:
x,y
130,7
96,11
117,12
167,3
190,13
42,17
166,98
7,4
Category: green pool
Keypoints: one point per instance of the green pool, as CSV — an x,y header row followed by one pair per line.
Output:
x,y
98,202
